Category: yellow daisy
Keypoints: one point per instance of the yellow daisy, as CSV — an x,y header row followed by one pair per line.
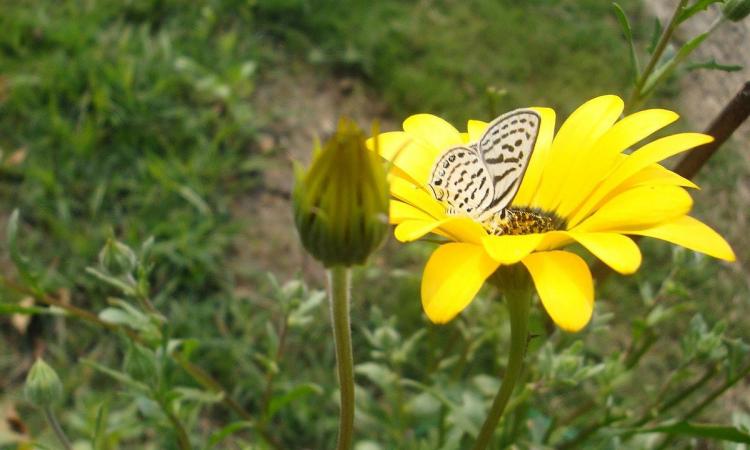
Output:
x,y
579,186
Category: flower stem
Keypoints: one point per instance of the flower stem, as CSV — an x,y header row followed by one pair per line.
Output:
x,y
55,424
635,96
519,300
339,282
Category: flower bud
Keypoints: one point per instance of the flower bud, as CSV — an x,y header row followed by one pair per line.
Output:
x,y
736,10
341,202
117,258
43,387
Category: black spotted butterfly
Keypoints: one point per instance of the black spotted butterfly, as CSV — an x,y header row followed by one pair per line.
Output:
x,y
481,179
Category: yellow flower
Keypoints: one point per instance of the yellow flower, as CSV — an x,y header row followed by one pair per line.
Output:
x,y
579,187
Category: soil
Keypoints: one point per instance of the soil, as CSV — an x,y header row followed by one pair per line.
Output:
x,y
304,105
704,93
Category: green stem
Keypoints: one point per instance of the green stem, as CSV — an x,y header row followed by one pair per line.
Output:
x,y
519,300
55,424
183,441
635,96
339,282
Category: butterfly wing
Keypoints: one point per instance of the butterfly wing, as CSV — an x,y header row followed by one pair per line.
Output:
x,y
461,180
506,148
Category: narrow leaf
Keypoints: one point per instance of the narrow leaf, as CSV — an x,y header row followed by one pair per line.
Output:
x,y
655,35
12,308
303,390
22,263
232,428
117,375
635,66
713,65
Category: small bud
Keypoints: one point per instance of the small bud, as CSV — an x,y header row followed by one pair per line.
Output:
x,y
43,387
736,10
341,202
117,258
140,363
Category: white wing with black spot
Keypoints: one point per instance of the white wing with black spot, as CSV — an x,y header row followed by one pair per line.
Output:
x,y
506,148
461,180
481,179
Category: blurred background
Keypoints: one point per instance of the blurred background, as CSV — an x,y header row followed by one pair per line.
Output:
x,y
177,120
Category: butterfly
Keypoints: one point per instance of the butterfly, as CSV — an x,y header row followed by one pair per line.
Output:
x,y
481,179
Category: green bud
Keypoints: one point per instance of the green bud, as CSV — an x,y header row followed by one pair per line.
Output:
x,y
140,363
341,202
117,258
43,387
736,10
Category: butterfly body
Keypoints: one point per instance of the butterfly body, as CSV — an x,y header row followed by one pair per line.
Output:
x,y
481,179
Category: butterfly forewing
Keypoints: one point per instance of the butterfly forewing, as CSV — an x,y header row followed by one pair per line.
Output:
x,y
481,179
462,181
506,148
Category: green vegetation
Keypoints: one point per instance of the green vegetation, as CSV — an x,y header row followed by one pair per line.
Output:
x,y
441,57
136,119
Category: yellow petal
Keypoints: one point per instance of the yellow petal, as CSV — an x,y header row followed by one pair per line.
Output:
x,y
638,208
408,154
459,229
463,229
433,131
452,277
693,234
615,250
572,144
563,282
656,174
416,196
476,129
400,211
648,154
510,249
533,174
604,155
413,229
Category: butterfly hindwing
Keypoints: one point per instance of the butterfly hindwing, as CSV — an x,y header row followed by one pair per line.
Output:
x,y
506,148
461,180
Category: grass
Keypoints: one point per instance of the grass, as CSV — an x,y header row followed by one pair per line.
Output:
x,y
441,57
136,119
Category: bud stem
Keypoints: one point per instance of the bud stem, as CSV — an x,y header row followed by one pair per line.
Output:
x,y
339,283
55,424
518,298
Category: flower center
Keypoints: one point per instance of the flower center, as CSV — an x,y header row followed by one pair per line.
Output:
x,y
523,220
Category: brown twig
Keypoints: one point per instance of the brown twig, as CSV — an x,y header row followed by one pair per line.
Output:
x,y
722,127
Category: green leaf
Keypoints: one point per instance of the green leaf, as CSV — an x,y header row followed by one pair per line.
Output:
x,y
302,390
22,263
100,428
691,10
628,32
12,308
666,69
713,65
197,395
219,435
126,288
117,375
702,430
655,35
